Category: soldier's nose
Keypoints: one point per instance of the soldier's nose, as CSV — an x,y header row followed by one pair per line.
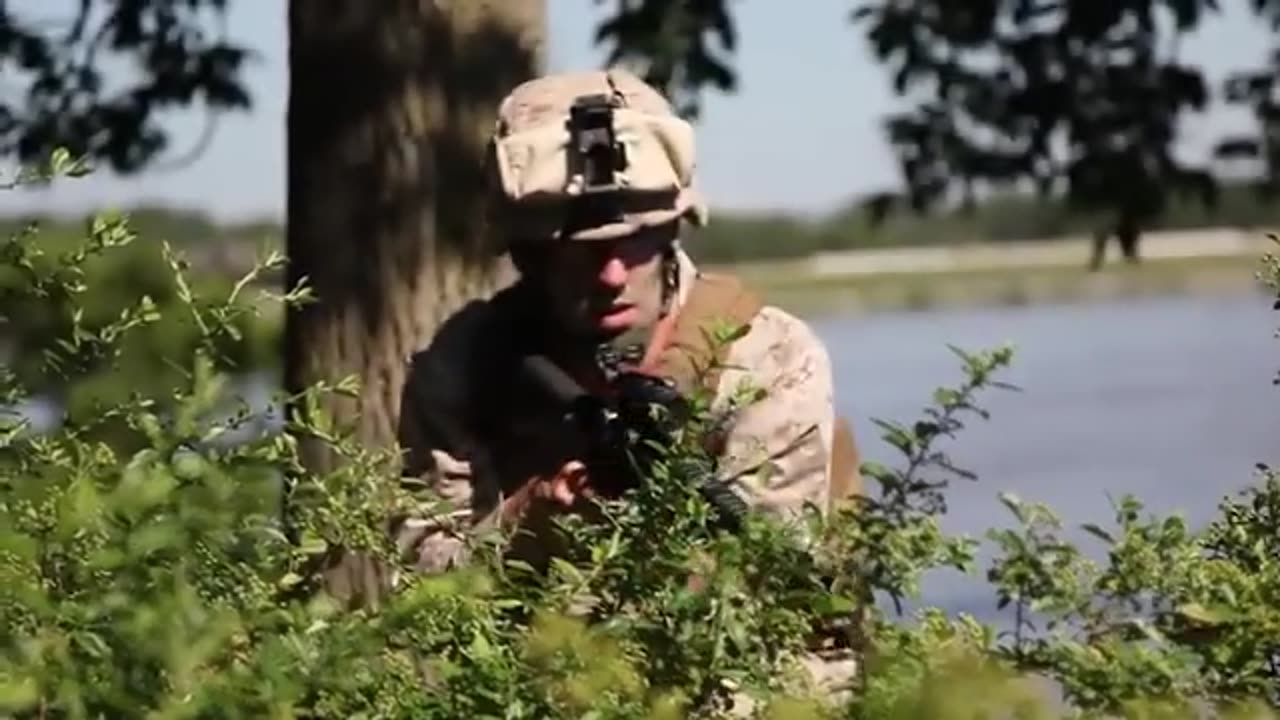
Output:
x,y
614,272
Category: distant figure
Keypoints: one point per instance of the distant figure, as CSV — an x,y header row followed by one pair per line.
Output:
x,y
594,177
1126,232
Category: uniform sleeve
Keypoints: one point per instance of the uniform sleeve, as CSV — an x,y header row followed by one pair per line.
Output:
x,y
777,447
441,454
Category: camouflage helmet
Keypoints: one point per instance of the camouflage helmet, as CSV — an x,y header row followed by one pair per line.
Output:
x,y
591,156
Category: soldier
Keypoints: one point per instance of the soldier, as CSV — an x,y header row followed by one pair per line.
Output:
x,y
595,180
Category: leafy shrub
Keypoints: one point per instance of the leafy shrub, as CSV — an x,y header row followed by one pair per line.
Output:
x,y
162,578
58,287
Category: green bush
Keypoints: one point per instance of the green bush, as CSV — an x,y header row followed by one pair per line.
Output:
x,y
58,287
161,577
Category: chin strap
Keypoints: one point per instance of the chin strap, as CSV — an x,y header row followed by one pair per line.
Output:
x,y
670,278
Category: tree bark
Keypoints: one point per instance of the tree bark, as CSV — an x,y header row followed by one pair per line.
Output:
x,y
390,105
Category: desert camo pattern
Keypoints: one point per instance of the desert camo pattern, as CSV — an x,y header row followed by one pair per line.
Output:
x,y
776,452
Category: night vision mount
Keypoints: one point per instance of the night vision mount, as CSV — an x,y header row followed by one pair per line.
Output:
x,y
596,145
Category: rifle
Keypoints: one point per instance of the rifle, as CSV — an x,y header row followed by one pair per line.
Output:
x,y
620,432
622,429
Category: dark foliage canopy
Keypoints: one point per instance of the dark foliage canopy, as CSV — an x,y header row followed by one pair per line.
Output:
x,y
1078,98
56,73
672,41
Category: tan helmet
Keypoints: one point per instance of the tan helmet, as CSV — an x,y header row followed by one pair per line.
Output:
x,y
591,156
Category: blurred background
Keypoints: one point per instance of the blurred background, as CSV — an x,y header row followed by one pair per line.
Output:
x,y
1092,182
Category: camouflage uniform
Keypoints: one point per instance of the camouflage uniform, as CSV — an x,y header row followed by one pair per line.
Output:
x,y
778,453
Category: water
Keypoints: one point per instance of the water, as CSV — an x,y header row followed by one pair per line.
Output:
x,y
1168,399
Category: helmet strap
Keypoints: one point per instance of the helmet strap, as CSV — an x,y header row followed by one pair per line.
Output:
x,y
670,277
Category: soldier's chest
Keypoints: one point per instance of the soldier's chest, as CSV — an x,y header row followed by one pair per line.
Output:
x,y
524,441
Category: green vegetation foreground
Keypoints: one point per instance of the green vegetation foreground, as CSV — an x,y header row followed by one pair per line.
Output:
x,y
145,571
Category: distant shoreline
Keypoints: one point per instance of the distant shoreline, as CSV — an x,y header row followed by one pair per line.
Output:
x,y
1176,263
951,270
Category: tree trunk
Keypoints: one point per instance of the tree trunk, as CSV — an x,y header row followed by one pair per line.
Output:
x,y
390,105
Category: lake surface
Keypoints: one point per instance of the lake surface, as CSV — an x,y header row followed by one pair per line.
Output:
x,y
1168,399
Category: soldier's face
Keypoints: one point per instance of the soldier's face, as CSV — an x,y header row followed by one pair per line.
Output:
x,y
610,286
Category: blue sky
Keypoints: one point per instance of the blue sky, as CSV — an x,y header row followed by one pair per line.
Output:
x,y
801,134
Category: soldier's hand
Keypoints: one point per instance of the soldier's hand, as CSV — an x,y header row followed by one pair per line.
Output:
x,y
548,493
567,487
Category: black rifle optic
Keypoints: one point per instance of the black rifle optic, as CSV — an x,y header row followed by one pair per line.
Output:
x,y
619,432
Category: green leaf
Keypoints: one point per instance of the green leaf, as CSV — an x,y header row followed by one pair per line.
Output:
x,y
1014,505
480,648
1099,533
18,695
828,604
1203,615
312,544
